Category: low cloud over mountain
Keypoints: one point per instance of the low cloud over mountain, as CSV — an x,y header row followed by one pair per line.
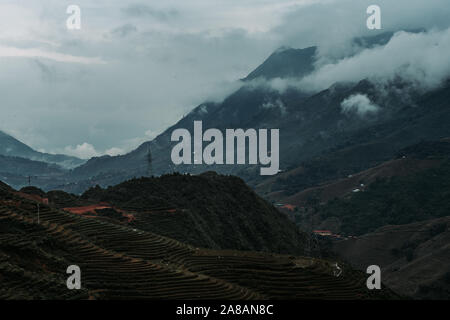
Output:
x,y
105,83
360,104
413,57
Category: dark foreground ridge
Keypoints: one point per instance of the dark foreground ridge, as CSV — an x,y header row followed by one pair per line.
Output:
x,y
122,262
208,210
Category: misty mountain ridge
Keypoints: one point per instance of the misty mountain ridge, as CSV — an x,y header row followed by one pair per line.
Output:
x,y
11,147
311,124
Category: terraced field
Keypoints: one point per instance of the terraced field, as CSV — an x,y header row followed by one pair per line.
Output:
x,y
119,262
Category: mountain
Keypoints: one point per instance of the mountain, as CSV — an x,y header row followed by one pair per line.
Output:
x,y
319,140
395,215
364,144
240,108
395,200
286,63
413,258
12,147
410,188
19,172
120,261
26,167
314,133
20,165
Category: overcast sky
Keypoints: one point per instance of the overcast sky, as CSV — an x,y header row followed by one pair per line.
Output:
x,y
136,67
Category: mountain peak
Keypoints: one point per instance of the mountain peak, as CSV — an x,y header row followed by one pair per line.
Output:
x,y
286,62
282,48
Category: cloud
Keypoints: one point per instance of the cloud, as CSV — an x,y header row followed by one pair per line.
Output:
x,y
125,30
359,104
87,151
417,58
332,24
114,151
159,68
143,10
12,52
82,151
277,104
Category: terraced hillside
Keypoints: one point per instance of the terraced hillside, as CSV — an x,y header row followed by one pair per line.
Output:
x,y
208,210
119,262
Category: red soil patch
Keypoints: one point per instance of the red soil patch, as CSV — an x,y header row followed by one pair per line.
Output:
x,y
88,209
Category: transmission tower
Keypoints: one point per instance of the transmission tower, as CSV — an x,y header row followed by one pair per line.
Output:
x,y
29,179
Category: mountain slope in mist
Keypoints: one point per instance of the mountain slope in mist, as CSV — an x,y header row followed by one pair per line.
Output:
x,y
12,147
359,123
286,63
